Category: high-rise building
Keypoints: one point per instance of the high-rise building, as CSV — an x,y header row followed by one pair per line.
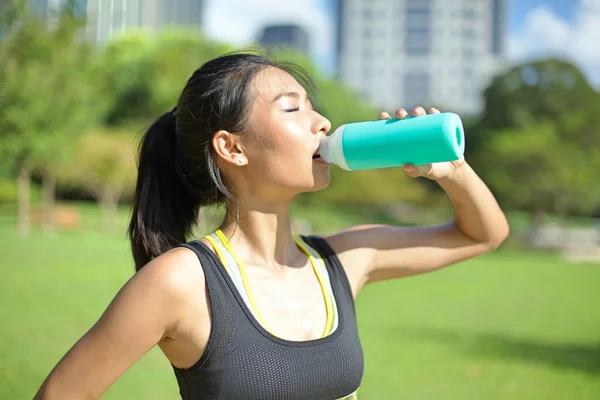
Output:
x,y
403,53
285,36
108,18
44,8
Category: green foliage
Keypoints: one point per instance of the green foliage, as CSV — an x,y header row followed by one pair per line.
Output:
x,y
125,77
144,72
48,94
177,53
104,160
536,91
535,144
9,192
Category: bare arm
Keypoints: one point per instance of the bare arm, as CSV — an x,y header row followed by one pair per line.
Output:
x,y
373,253
144,311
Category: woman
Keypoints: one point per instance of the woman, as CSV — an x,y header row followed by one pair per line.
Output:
x,y
253,311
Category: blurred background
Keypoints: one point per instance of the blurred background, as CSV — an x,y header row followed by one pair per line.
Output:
x,y
81,80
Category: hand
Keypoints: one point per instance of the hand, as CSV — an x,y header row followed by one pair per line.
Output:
x,y
433,171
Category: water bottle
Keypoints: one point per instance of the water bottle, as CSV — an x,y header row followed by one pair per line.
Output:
x,y
395,142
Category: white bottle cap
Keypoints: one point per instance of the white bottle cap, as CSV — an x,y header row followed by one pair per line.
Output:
x,y
331,149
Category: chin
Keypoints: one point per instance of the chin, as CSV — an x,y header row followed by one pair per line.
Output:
x,y
320,181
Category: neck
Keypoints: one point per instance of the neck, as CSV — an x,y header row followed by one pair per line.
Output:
x,y
261,235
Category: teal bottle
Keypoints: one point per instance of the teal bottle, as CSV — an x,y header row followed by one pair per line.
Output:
x,y
395,142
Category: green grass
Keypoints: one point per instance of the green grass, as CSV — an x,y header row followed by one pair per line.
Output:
x,y
508,325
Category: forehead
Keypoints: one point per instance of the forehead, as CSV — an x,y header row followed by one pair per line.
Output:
x,y
272,81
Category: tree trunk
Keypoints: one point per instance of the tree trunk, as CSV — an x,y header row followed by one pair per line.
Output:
x,y
109,202
538,217
24,202
537,220
561,207
49,195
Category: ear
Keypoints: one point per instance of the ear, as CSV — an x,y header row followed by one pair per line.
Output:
x,y
228,148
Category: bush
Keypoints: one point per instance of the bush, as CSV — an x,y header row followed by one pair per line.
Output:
x,y
9,192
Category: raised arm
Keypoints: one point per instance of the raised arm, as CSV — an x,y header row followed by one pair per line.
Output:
x,y
373,253
144,312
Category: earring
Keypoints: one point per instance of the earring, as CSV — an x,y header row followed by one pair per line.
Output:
x,y
240,161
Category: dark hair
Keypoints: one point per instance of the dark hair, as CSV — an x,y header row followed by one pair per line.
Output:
x,y
177,170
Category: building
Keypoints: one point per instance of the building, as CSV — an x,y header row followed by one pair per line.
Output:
x,y
108,18
403,53
285,36
44,8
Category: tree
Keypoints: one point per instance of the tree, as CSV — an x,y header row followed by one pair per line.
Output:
x,y
144,71
104,164
126,77
176,54
48,97
535,144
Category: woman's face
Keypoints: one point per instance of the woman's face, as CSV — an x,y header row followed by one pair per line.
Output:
x,y
285,133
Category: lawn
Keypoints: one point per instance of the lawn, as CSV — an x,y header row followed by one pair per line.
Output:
x,y
509,325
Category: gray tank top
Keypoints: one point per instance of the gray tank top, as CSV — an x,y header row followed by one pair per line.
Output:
x,y
243,361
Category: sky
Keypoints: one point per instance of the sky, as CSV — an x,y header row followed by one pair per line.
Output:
x,y
534,28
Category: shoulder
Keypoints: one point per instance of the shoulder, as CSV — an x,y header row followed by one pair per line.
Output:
x,y
355,256
173,276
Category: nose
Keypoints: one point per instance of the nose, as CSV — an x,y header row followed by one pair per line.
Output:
x,y
321,124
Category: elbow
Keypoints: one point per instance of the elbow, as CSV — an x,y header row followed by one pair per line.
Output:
x,y
500,235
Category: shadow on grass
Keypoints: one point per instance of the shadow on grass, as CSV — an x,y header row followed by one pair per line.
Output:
x,y
584,358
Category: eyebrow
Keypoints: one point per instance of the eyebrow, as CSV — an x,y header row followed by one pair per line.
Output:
x,y
286,94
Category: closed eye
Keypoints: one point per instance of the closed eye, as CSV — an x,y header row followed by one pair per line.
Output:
x,y
292,109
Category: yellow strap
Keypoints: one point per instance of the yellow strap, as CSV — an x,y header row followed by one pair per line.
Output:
x,y
328,301
217,248
244,276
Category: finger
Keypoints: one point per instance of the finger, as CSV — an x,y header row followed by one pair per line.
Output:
x,y
418,111
415,171
434,110
384,115
401,113
411,170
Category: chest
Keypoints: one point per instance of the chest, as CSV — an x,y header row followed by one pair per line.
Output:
x,y
291,306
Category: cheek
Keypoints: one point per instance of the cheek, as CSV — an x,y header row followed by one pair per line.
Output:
x,y
279,140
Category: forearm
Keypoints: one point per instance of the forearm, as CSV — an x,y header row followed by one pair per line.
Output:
x,y
477,213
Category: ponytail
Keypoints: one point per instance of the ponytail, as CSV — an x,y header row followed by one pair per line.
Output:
x,y
164,209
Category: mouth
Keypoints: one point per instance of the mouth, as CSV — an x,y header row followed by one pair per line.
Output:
x,y
318,159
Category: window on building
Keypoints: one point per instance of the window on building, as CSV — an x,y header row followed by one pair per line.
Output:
x,y
417,6
497,27
469,14
417,39
416,88
468,54
468,73
468,33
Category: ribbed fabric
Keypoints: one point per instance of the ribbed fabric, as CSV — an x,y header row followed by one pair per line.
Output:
x,y
245,362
